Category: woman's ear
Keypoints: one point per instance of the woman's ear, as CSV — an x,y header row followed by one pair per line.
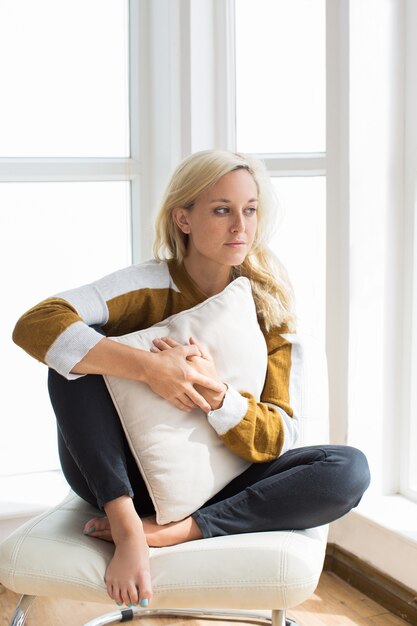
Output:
x,y
181,219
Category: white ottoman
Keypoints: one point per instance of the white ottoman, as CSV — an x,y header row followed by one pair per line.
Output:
x,y
50,556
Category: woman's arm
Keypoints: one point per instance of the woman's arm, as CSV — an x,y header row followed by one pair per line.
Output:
x,y
261,431
168,373
256,431
59,332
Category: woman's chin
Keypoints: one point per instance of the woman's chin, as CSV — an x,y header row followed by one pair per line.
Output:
x,y
236,256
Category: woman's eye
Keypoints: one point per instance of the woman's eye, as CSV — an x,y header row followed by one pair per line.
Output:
x,y
221,210
251,210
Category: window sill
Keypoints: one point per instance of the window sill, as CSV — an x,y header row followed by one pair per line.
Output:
x,y
395,513
382,531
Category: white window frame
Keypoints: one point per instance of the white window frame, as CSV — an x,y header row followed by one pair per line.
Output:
x,y
409,392
34,169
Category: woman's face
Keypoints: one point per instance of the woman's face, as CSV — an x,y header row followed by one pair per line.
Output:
x,y
221,225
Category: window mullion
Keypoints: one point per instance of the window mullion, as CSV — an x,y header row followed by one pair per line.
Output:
x,y
313,164
225,65
409,412
337,226
137,60
67,169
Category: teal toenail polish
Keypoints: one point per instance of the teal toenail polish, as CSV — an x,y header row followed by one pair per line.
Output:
x,y
120,604
135,604
91,529
144,602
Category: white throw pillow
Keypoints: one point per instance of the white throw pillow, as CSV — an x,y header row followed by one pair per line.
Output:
x,y
180,456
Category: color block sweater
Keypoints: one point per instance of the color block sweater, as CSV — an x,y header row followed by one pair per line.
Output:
x,y
58,332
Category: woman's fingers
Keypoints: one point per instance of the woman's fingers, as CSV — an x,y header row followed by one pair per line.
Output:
x,y
160,344
186,400
170,342
164,343
206,381
174,377
203,349
181,405
198,400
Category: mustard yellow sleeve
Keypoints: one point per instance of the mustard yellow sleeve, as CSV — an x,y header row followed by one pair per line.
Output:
x,y
37,329
260,431
60,331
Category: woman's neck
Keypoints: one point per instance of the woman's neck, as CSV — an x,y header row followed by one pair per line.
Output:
x,y
211,280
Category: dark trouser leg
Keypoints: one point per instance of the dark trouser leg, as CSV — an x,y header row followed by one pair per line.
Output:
x,y
94,453
303,488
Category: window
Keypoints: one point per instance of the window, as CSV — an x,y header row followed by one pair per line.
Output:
x,y
367,271
68,172
280,115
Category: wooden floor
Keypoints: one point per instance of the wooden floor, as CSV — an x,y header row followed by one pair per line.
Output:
x,y
333,604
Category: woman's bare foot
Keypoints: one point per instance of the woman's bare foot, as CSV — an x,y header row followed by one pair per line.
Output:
x,y
157,535
128,578
99,527
170,534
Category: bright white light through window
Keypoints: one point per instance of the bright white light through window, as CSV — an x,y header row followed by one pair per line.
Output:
x,y
53,236
64,78
280,75
300,243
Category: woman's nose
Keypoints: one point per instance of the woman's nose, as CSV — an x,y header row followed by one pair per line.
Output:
x,y
238,225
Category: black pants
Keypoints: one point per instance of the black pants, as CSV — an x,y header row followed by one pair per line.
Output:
x,y
303,488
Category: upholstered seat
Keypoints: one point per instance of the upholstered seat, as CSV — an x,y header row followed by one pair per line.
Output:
x,y
50,556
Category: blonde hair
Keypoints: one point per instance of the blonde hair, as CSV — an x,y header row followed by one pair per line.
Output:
x,y
271,287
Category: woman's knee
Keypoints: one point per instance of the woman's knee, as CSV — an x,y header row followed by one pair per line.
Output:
x,y
353,475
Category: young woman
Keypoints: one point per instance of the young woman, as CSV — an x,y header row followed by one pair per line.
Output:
x,y
212,227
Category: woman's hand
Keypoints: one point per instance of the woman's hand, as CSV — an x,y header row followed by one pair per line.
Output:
x,y
169,373
173,376
203,363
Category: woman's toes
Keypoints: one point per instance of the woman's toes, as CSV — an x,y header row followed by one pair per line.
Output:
x,y
133,595
124,594
113,593
145,594
90,526
99,528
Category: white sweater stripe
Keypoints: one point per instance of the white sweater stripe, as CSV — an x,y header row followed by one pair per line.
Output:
x,y
90,301
232,411
70,347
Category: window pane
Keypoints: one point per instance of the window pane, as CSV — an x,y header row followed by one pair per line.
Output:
x,y
300,243
280,75
53,236
64,78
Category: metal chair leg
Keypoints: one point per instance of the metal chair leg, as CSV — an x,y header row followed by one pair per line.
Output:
x,y
278,618
21,611
125,615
